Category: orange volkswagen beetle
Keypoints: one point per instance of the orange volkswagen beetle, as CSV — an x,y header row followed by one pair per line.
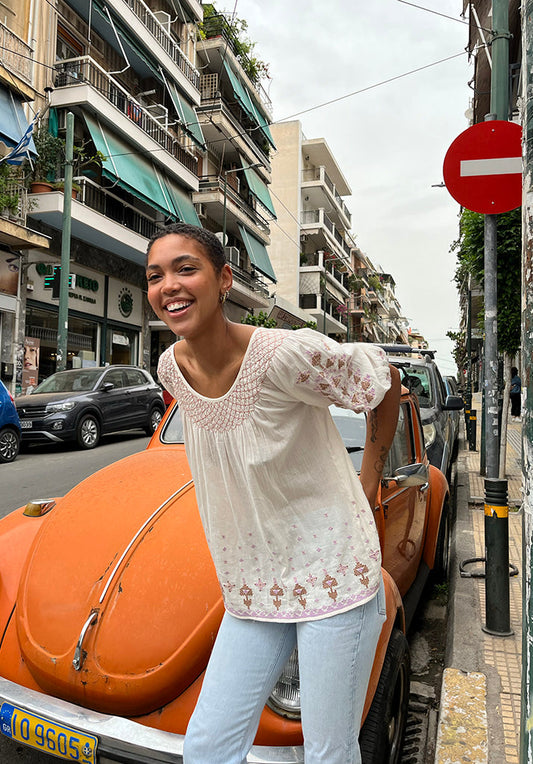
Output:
x,y
109,607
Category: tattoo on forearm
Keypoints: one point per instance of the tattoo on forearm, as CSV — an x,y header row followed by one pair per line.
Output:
x,y
373,423
380,461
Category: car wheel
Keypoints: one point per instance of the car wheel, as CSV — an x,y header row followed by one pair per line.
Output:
x,y
9,445
156,415
442,552
88,432
382,733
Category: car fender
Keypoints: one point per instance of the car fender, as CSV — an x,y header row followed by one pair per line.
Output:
x,y
438,493
395,617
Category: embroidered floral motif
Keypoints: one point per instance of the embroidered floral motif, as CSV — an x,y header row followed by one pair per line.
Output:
x,y
330,583
311,579
246,594
260,585
299,592
276,592
360,571
231,410
342,569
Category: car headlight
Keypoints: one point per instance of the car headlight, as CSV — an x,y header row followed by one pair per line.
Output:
x,y
430,433
54,408
285,697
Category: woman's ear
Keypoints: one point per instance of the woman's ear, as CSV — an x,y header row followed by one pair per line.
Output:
x,y
226,278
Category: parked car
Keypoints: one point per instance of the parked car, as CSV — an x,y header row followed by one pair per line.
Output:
x,y
82,404
9,426
421,375
109,606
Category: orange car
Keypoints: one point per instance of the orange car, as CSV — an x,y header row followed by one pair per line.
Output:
x,y
109,607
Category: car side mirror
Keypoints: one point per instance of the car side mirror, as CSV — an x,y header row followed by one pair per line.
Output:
x,y
453,403
411,474
107,386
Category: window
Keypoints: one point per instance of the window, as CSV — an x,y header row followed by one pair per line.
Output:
x,y
401,452
134,377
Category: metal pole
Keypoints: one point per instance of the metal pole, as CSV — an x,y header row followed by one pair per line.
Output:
x,y
62,321
225,208
491,348
526,736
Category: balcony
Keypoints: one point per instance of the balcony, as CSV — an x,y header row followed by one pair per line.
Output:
x,y
17,58
315,182
100,218
358,304
328,265
238,207
81,81
319,221
13,222
216,115
329,318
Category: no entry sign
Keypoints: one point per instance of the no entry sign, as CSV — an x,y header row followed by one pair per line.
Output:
x,y
483,167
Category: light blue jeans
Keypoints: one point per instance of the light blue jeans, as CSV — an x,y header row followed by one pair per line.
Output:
x,y
335,656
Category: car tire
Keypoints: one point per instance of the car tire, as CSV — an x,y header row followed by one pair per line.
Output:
x,y
88,431
9,445
156,415
382,733
441,567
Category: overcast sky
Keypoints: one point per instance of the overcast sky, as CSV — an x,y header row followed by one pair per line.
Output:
x,y
389,141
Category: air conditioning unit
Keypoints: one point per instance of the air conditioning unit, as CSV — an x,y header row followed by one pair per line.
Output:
x,y
164,19
201,211
232,255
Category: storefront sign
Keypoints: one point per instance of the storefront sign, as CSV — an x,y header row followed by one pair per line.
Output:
x,y
86,294
124,303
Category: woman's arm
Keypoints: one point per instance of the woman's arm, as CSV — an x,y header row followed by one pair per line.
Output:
x,y
380,429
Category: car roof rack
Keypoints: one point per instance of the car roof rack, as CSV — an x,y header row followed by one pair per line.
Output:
x,y
407,350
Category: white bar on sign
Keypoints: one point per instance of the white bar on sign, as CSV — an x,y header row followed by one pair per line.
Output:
x,y
495,166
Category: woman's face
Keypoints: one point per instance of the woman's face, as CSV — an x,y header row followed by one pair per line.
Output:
x,y
183,287
30,357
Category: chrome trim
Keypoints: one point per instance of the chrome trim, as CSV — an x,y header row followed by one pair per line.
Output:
x,y
118,736
143,526
79,653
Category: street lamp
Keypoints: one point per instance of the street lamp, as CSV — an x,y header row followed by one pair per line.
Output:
x,y
226,173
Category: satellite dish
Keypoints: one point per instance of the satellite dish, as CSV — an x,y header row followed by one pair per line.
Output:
x,y
222,239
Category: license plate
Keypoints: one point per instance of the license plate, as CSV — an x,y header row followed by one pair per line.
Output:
x,y
46,736
26,424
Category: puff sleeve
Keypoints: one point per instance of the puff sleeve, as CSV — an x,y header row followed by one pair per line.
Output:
x,y
316,370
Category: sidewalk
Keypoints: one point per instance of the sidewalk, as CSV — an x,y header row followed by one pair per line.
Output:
x,y
479,719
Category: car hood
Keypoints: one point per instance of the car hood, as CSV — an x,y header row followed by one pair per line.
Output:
x,y
121,571
41,399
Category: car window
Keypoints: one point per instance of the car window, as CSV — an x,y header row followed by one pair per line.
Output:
x,y
352,427
417,379
134,377
172,431
80,380
114,376
401,451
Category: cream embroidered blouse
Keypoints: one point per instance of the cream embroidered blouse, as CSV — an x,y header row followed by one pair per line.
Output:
x,y
290,530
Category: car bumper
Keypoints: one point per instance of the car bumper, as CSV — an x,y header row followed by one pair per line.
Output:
x,y
121,739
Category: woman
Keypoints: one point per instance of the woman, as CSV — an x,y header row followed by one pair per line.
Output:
x,y
288,522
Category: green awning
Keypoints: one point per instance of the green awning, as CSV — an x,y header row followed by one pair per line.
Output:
x,y
187,115
257,253
184,208
259,190
130,170
245,98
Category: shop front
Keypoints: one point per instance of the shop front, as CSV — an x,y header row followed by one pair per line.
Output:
x,y
104,322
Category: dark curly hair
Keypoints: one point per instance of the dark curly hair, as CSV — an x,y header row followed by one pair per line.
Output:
x,y
212,246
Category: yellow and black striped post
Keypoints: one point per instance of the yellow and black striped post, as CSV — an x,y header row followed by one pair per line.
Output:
x,y
497,603
472,430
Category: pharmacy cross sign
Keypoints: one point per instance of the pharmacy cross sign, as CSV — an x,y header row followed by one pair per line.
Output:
x,y
483,167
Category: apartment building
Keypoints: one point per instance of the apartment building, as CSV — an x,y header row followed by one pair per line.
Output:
x,y
17,95
233,199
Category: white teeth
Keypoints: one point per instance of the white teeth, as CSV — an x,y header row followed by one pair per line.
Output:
x,y
177,305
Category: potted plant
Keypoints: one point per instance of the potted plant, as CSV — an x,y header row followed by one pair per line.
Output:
x,y
50,151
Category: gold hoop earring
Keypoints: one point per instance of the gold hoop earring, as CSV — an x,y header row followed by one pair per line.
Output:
x,y
223,297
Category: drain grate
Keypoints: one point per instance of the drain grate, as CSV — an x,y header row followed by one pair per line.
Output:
x,y
417,742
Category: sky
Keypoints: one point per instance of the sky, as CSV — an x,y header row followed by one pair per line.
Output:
x,y
391,139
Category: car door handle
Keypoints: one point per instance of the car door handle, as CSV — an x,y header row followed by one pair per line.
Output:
x,y
424,487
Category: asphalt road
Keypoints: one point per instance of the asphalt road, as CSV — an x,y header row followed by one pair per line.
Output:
x,y
53,470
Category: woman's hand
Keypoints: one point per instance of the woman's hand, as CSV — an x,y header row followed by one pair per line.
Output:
x,y
380,429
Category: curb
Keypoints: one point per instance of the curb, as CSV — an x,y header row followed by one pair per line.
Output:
x,y
462,734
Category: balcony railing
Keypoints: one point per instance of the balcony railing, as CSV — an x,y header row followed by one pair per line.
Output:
x,y
218,26
17,56
318,259
245,203
320,174
319,217
18,194
77,71
169,45
252,281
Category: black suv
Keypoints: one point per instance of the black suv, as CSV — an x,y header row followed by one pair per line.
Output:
x,y
420,374
81,404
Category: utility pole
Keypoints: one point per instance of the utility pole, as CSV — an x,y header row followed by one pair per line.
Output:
x,y
526,737
62,320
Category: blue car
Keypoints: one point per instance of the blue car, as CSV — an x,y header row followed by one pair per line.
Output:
x,y
9,426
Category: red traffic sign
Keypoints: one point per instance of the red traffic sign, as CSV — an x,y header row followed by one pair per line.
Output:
x,y
483,167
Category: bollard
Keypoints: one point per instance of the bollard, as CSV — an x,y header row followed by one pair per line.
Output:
x,y
497,604
472,430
